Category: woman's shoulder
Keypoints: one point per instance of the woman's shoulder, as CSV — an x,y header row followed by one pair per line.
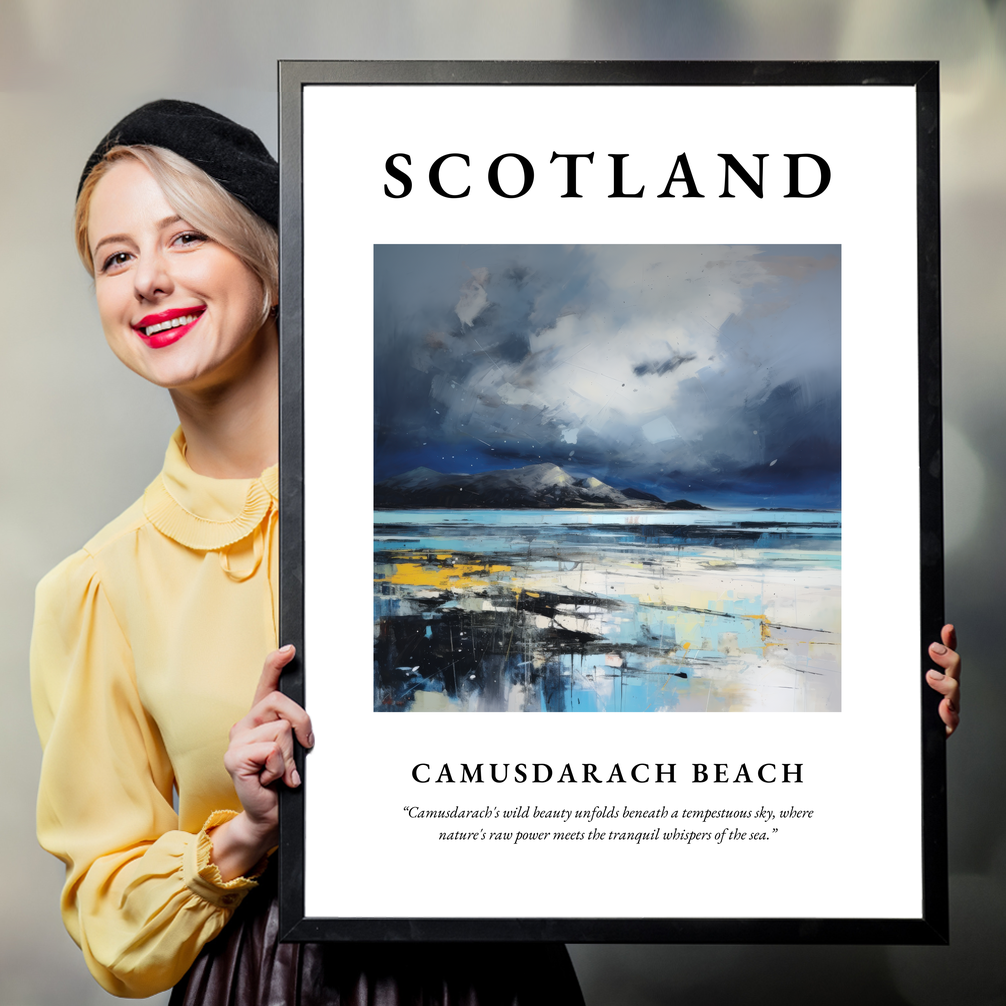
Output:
x,y
71,606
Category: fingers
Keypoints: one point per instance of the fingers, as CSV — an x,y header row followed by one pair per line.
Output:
x,y
271,671
949,687
948,710
945,655
263,761
951,717
947,681
949,636
277,706
270,703
265,752
261,749
948,660
279,763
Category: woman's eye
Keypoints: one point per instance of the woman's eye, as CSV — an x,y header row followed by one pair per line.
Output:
x,y
114,261
190,238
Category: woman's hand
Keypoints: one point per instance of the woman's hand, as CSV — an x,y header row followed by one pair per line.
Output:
x,y
260,753
948,681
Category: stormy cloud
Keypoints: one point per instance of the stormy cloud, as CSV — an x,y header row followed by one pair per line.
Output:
x,y
681,370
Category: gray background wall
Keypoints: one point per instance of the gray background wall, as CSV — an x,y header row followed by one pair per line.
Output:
x,y
82,436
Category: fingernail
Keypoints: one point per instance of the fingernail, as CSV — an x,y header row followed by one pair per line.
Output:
x,y
938,648
287,649
310,740
295,777
936,675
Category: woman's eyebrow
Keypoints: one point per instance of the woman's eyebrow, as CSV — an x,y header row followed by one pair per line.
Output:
x,y
109,240
160,225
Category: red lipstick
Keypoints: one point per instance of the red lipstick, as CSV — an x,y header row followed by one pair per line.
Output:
x,y
166,327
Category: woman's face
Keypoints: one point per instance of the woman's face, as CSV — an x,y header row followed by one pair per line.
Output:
x,y
177,308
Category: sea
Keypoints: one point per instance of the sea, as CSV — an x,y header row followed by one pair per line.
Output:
x,y
607,611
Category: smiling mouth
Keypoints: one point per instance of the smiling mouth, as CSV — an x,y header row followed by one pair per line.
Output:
x,y
167,321
185,319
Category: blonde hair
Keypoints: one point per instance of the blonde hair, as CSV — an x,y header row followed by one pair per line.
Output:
x,y
199,200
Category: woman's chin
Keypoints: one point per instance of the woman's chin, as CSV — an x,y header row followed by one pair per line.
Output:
x,y
196,365
172,374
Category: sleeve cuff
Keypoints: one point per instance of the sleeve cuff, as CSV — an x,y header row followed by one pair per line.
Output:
x,y
202,876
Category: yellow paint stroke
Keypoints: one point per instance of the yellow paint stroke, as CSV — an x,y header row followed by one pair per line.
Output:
x,y
765,628
458,577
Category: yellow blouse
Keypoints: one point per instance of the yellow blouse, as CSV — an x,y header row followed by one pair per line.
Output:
x,y
147,647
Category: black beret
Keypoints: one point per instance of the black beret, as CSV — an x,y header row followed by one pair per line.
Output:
x,y
230,154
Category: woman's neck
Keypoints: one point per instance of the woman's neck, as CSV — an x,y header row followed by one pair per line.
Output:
x,y
231,426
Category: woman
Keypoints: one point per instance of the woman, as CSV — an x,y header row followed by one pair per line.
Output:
x,y
148,643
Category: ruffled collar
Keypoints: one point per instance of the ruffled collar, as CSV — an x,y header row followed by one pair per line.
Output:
x,y
203,513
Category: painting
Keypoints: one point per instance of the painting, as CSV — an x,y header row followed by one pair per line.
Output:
x,y
566,444
607,478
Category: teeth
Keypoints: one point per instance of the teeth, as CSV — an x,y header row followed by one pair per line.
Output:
x,y
174,323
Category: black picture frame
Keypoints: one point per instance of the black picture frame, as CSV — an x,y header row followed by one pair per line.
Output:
x,y
931,926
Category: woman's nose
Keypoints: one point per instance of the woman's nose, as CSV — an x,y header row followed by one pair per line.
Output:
x,y
152,277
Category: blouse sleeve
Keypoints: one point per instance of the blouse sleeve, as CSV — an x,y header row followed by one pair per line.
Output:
x,y
141,898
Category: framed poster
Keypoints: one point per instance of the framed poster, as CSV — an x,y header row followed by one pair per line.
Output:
x,y
611,501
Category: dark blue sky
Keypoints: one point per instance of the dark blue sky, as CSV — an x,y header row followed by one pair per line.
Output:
x,y
711,373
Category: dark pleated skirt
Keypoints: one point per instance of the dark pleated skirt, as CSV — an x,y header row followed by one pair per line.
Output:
x,y
246,965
